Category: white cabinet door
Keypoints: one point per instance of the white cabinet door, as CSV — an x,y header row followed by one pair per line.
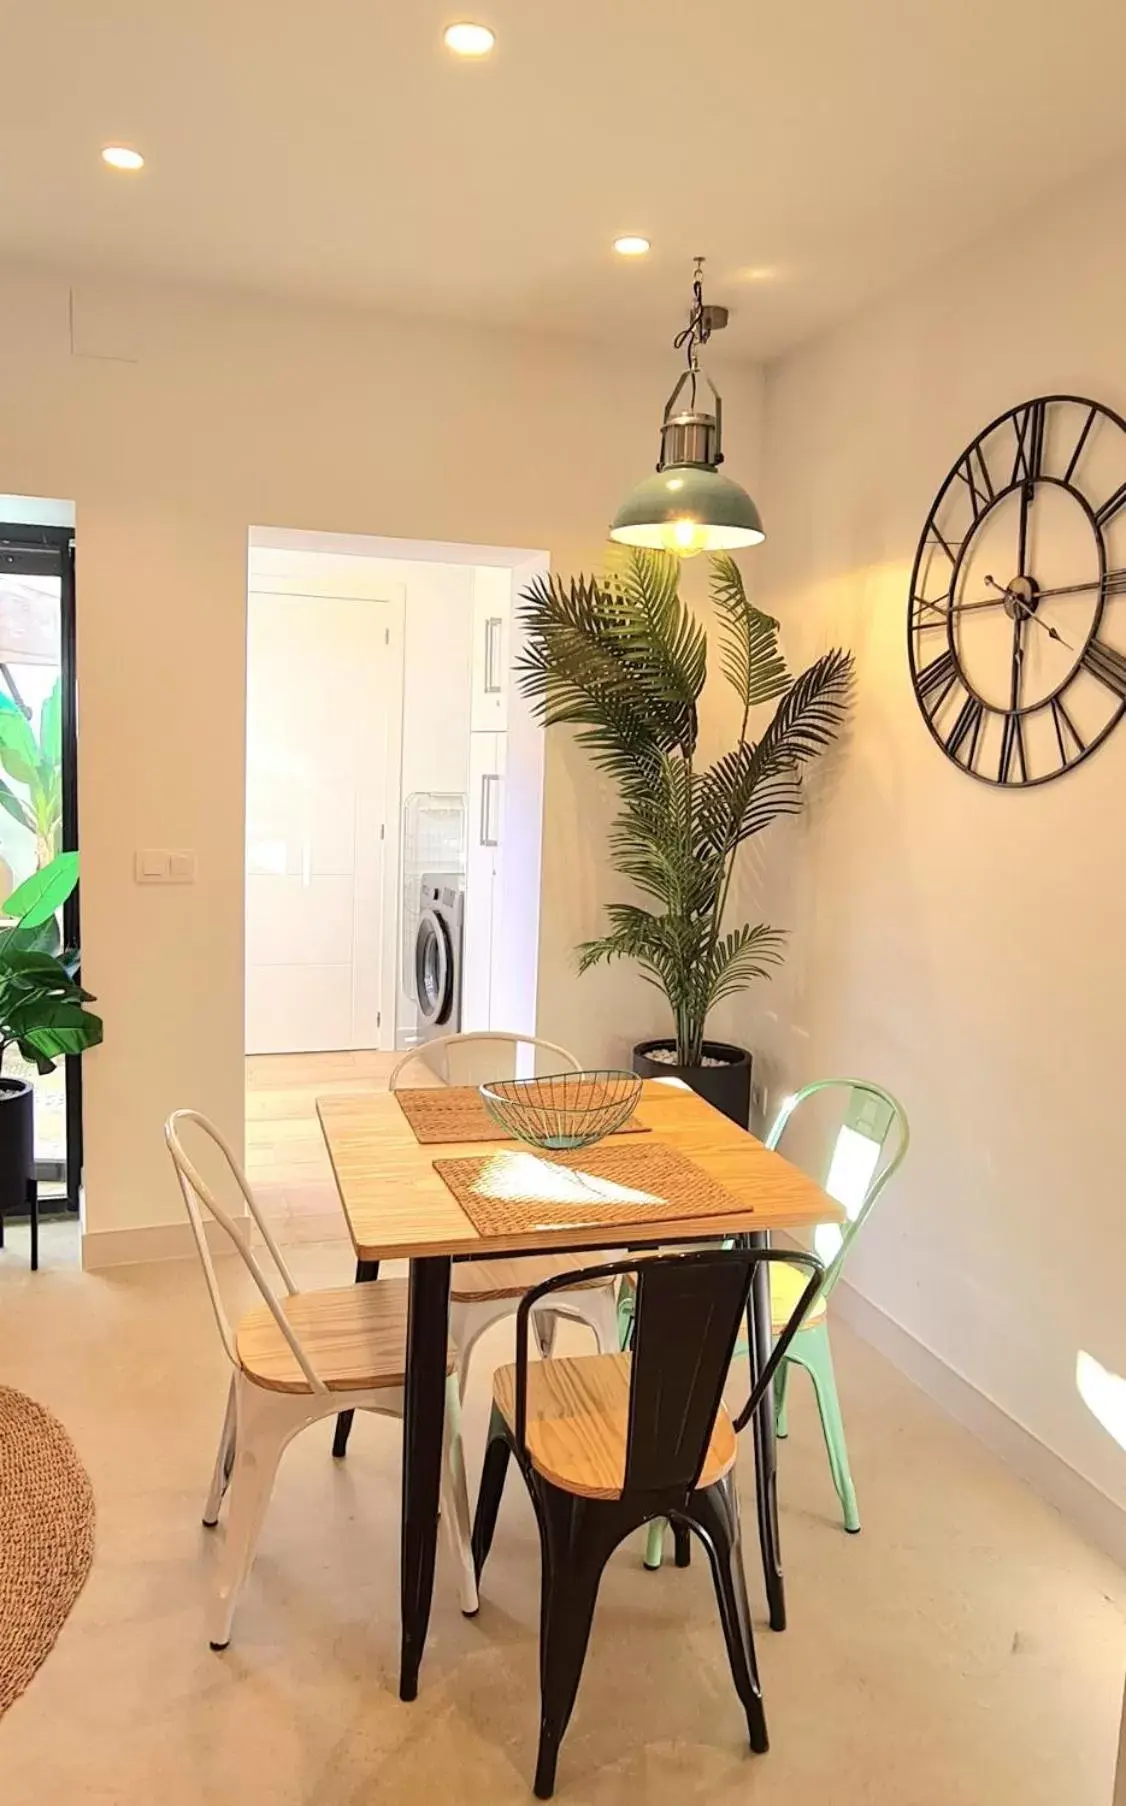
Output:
x,y
318,711
486,828
492,607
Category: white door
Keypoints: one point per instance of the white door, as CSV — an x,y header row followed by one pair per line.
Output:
x,y
489,678
485,833
320,712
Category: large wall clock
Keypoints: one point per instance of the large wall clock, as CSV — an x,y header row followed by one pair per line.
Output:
x,y
1017,616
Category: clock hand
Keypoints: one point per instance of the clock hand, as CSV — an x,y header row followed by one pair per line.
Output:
x,y
959,608
1028,613
1114,583
1018,659
1022,549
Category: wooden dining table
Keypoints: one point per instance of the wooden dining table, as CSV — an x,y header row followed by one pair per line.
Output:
x,y
398,1207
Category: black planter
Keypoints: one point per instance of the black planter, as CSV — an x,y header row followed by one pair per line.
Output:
x,y
17,1157
727,1087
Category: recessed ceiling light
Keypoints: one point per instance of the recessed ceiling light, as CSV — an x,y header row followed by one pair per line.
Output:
x,y
631,245
469,40
119,156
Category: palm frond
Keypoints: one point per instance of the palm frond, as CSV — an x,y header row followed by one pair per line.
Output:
x,y
809,715
570,672
658,637
740,957
743,793
751,657
754,784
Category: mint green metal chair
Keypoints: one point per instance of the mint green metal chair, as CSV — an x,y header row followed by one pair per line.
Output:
x,y
867,1149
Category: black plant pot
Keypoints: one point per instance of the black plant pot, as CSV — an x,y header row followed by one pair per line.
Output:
x,y
727,1087
17,1150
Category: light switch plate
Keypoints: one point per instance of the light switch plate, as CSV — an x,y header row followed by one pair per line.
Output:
x,y
159,865
181,866
150,866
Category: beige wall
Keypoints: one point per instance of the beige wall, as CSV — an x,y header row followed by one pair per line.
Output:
x,y
963,945
174,421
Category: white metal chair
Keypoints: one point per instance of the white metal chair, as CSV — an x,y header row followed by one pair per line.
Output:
x,y
296,1359
484,1291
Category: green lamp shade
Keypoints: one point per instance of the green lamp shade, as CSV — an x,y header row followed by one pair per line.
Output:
x,y
688,508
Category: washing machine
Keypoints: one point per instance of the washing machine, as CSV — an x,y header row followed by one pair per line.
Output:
x,y
438,954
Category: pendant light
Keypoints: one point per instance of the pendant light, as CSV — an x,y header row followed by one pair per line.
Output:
x,y
688,507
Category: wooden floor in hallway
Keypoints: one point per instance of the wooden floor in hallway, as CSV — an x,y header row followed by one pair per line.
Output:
x,y
286,1159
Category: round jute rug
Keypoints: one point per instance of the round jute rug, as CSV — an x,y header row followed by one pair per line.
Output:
x,y
46,1536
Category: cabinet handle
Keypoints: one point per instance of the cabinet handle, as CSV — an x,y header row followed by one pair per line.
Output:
x,y
492,655
490,788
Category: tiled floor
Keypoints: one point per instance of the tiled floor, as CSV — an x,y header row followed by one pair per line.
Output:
x,y
966,1650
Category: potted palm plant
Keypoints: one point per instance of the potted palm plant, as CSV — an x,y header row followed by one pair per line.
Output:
x,y
42,1011
623,660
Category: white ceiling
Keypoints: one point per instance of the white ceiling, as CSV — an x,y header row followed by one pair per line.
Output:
x,y
817,150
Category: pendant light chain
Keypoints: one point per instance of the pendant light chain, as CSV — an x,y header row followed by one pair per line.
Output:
x,y
698,330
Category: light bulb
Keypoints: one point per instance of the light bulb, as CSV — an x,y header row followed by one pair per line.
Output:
x,y
119,156
465,39
687,537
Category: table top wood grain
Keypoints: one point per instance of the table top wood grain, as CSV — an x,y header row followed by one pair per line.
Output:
x,y
397,1206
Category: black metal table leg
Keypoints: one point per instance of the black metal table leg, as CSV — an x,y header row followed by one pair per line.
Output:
x,y
365,1270
423,1420
766,1451
33,1221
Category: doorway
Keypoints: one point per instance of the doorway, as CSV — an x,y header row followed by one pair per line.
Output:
x,y
324,706
39,795
459,834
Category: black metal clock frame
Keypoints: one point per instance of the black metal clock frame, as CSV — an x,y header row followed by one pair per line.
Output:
x,y
972,480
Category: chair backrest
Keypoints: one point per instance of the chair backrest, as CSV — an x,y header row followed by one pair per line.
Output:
x,y
197,1192
868,1146
688,1312
475,1058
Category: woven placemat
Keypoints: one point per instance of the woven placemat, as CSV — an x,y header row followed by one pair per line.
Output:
x,y
511,1192
458,1113
46,1536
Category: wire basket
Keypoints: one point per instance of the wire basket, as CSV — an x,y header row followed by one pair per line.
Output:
x,y
564,1109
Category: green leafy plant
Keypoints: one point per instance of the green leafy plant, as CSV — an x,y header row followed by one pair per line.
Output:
x,y
41,1001
623,660
34,760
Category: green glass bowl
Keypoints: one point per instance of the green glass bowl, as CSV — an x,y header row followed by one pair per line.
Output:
x,y
563,1109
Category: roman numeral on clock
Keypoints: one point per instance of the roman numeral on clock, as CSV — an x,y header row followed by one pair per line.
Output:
x,y
974,473
1068,738
935,613
1012,747
1028,425
1107,665
1111,506
966,732
936,680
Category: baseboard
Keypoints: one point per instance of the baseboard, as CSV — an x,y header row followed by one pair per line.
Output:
x,y
1091,1512
103,1248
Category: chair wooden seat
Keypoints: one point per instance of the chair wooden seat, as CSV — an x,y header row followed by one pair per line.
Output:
x,y
355,1337
296,1359
786,1287
478,1280
578,1422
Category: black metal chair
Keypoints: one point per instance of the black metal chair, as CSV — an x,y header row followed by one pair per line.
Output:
x,y
614,1441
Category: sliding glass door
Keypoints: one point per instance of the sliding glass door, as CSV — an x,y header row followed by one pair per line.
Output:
x,y
38,794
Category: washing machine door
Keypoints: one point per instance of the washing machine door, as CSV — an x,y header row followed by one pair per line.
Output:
x,y
433,969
